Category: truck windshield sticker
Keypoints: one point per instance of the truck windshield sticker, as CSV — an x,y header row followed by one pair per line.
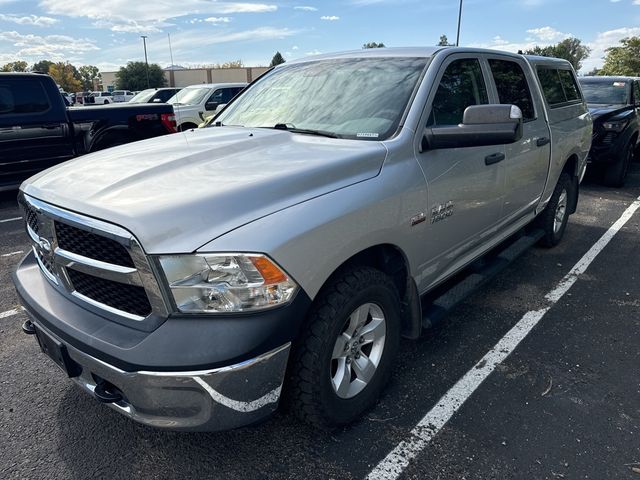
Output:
x,y
368,135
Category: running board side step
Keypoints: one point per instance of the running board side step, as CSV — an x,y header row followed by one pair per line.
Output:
x,y
480,272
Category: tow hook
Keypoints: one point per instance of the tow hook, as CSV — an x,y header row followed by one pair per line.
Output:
x,y
28,328
107,393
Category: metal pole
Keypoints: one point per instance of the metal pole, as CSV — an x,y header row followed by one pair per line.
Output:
x,y
459,21
146,61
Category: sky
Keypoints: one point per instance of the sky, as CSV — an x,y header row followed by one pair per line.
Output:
x,y
203,32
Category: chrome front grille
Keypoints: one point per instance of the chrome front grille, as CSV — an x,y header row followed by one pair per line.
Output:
x,y
95,262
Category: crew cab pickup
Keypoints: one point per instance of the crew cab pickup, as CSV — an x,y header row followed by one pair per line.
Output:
x,y
614,103
37,130
192,280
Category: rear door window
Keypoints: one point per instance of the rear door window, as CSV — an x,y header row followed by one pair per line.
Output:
x,y
571,91
511,84
559,86
22,96
461,86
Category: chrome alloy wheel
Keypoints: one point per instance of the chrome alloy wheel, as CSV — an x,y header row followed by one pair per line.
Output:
x,y
358,350
561,211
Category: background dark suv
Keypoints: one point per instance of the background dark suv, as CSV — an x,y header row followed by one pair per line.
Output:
x,y
614,103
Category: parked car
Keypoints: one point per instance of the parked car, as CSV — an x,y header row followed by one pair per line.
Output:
x,y
37,130
99,98
67,97
614,103
79,97
191,279
155,95
192,103
121,96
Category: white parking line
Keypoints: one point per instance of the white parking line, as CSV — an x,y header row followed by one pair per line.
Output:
x,y
392,466
11,254
10,219
10,313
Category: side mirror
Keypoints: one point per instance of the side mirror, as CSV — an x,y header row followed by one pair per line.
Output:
x,y
482,125
220,107
211,106
157,100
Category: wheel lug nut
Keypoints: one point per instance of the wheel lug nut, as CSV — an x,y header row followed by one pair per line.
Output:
x,y
361,339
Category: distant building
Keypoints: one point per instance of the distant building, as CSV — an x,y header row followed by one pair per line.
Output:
x,y
178,76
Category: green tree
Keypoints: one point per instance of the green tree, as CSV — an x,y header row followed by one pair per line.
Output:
x,y
18,66
571,49
42,66
277,59
373,45
134,76
623,59
444,41
66,75
88,73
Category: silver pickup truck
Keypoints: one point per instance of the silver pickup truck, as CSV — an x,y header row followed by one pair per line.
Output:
x,y
190,281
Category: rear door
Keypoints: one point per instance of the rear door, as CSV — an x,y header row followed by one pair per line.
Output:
x,y
34,133
527,162
464,189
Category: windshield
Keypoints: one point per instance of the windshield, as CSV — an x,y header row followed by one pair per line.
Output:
x,y
189,96
361,98
144,96
608,93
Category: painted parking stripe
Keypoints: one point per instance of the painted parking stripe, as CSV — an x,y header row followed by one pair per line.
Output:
x,y
11,254
10,219
10,313
392,466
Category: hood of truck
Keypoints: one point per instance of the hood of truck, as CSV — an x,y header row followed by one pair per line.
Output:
x,y
607,111
177,192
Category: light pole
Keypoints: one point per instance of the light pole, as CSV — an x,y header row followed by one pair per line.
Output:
x,y
146,61
459,21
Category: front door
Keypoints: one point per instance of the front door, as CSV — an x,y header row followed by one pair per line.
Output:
x,y
465,191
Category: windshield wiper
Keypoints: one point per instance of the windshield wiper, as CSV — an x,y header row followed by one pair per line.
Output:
x,y
291,128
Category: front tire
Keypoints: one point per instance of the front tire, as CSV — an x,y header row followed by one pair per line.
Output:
x,y
616,174
553,220
344,358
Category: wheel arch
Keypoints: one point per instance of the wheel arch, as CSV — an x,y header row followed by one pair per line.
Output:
x,y
391,260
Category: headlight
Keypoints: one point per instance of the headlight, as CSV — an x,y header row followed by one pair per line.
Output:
x,y
615,126
220,283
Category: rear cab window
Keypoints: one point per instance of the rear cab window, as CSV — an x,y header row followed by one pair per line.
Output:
x,y
559,86
19,96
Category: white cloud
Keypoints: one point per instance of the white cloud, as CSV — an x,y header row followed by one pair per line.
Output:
x,y
305,8
548,34
29,20
313,52
218,19
51,46
604,40
330,18
295,47
141,17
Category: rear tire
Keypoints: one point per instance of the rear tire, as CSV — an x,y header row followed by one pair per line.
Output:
x,y
616,174
553,220
344,357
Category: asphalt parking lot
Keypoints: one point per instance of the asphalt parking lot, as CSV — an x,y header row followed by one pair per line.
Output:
x,y
564,404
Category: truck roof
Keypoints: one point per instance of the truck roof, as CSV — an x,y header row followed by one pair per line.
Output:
x,y
607,79
424,52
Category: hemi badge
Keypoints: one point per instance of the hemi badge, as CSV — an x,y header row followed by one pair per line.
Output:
x,y
417,219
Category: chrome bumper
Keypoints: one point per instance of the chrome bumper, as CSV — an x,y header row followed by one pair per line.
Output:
x,y
207,400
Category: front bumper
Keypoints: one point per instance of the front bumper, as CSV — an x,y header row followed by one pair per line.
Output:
x,y
208,400
188,374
